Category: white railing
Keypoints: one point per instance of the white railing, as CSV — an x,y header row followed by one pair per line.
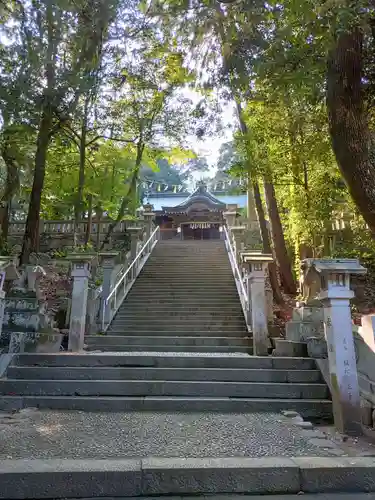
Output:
x,y
239,278
114,300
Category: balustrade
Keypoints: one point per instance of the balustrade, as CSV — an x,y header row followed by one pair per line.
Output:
x,y
112,301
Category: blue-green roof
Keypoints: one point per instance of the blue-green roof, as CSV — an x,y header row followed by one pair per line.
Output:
x,y
172,200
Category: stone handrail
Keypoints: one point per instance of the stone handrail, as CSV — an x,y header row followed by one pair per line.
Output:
x,y
67,226
239,278
117,295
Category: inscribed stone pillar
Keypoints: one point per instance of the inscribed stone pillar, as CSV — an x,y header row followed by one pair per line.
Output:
x,y
335,296
81,266
108,262
256,264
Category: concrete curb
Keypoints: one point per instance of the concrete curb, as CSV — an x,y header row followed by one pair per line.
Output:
x,y
53,478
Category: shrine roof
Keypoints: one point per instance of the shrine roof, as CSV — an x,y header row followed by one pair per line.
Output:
x,y
167,201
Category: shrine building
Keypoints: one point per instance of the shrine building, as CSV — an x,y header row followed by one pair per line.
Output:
x,y
195,216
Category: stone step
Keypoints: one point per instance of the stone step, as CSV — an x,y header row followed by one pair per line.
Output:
x,y
219,315
162,388
136,373
150,293
180,321
308,408
164,360
187,309
198,328
180,314
168,348
189,301
205,287
116,330
289,348
150,477
184,341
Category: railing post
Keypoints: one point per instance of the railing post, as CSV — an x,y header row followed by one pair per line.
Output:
x,y
148,217
230,218
108,261
255,265
134,234
81,267
335,294
238,234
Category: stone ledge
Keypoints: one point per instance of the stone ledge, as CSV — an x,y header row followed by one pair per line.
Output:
x,y
56,478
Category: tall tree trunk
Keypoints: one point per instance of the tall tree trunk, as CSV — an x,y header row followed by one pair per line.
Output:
x,y
125,200
348,121
78,206
89,221
31,237
285,266
12,184
272,271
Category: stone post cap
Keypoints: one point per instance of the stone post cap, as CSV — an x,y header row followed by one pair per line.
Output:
x,y
238,229
147,207
134,229
148,215
256,257
232,207
336,266
81,263
107,258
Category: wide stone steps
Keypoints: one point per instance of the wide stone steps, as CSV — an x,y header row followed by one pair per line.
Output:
x,y
141,373
169,348
164,388
152,332
197,325
154,340
162,360
165,382
218,315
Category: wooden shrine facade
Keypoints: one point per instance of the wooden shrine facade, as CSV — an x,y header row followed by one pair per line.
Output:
x,y
199,217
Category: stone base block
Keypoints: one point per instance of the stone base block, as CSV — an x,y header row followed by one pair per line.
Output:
x,y
306,313
299,331
288,348
317,347
42,343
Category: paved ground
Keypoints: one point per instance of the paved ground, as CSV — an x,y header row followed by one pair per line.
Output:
x,y
71,434
321,496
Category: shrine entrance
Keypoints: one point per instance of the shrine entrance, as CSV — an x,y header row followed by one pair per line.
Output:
x,y
200,231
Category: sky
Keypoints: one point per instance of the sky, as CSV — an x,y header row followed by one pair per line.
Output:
x,y
209,146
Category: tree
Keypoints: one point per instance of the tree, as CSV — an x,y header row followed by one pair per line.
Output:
x,y
62,40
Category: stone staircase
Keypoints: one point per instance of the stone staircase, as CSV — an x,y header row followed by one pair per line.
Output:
x,y
184,300
178,343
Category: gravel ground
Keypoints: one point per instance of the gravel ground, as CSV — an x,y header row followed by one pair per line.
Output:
x,y
31,433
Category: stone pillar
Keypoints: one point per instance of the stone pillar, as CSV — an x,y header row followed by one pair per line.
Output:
x,y
335,296
256,264
2,297
237,232
230,218
251,211
148,218
134,233
80,273
108,262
